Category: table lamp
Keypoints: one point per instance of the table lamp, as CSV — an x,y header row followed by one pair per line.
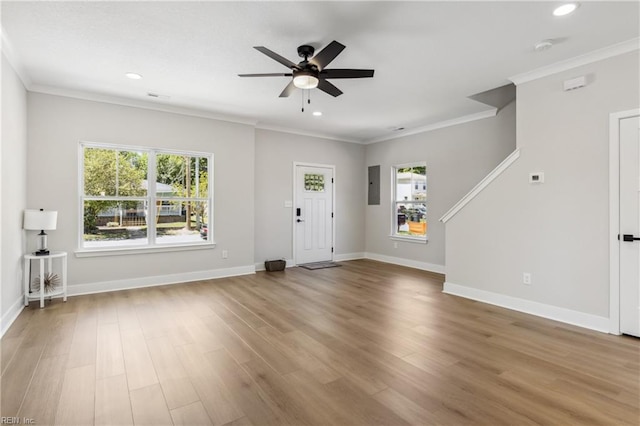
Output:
x,y
40,220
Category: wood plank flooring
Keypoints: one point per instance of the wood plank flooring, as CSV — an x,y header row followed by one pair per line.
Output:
x,y
364,344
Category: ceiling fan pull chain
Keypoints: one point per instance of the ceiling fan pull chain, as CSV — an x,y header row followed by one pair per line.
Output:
x,y
302,99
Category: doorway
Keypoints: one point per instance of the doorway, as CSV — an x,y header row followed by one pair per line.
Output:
x,y
313,230
625,223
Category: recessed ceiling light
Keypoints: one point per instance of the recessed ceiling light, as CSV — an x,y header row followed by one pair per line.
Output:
x,y
317,113
565,9
133,76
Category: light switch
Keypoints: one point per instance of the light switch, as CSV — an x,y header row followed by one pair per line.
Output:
x,y
288,204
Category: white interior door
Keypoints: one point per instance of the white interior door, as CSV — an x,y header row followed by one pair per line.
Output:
x,y
630,226
313,211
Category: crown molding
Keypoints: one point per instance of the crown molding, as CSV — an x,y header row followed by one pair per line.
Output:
x,y
440,125
6,47
587,58
116,100
135,103
293,131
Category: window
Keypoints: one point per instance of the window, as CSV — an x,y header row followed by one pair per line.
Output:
x,y
410,201
144,198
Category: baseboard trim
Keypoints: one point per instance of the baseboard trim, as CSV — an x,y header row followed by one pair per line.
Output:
x,y
128,284
431,267
336,258
348,256
10,316
568,316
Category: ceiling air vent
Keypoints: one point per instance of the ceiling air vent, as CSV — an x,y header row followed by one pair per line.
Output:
x,y
157,96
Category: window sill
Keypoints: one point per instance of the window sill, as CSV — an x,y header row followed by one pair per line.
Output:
x,y
417,240
142,250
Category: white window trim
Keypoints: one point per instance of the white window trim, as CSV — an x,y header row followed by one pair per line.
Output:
x,y
151,246
409,239
89,252
394,225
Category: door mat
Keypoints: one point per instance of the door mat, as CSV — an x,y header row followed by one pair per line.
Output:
x,y
319,265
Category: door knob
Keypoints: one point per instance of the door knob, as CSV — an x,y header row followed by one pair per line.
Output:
x,y
299,220
629,237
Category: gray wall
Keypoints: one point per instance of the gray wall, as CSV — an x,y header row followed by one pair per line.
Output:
x,y
557,231
275,154
13,160
57,124
457,157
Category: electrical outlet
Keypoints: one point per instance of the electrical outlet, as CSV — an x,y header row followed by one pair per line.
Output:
x,y
526,278
395,244
225,254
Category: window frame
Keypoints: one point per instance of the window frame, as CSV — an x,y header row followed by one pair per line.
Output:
x,y
394,204
151,199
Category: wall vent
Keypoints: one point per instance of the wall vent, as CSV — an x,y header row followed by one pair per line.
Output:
x,y
574,83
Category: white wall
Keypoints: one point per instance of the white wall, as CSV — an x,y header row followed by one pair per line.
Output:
x,y
56,126
275,154
457,157
557,231
13,159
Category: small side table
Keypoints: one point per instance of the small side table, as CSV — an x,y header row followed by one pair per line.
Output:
x,y
49,268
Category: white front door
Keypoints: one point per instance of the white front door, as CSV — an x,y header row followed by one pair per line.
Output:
x,y
630,226
313,214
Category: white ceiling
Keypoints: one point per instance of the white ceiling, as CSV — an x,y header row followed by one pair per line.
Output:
x,y
428,56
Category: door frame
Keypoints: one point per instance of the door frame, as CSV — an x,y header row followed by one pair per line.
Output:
x,y
297,164
614,216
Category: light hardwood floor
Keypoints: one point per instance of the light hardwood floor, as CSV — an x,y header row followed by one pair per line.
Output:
x,y
363,344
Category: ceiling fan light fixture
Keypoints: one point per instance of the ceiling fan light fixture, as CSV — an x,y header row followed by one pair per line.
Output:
x,y
311,73
305,80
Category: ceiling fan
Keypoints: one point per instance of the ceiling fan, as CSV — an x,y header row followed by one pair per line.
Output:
x,y
311,73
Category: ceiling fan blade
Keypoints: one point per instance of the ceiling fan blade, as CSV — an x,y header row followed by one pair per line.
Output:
x,y
327,54
346,73
329,88
266,75
273,55
288,90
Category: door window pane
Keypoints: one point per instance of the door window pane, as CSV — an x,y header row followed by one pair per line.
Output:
x,y
313,182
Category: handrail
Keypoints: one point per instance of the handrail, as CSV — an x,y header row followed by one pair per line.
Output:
x,y
482,185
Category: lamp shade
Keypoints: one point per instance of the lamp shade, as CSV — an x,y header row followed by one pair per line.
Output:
x,y
40,220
